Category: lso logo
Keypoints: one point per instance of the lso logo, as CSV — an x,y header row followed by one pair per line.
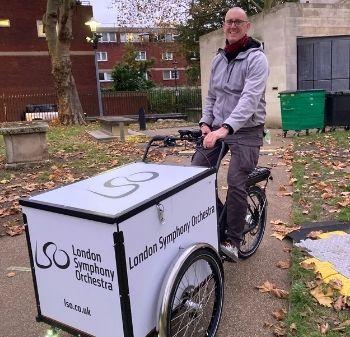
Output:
x,y
58,254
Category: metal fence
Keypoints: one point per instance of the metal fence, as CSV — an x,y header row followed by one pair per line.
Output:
x,y
15,106
122,103
169,100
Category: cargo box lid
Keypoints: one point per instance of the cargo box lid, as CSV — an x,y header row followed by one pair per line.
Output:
x,y
112,195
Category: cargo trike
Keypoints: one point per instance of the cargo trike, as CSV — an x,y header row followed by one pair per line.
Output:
x,y
134,251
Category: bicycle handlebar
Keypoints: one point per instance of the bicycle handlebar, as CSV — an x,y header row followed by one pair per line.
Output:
x,y
194,136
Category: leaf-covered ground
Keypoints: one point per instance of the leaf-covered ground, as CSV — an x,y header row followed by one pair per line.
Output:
x,y
74,155
321,181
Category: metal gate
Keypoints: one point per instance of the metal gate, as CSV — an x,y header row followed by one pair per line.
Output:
x,y
323,63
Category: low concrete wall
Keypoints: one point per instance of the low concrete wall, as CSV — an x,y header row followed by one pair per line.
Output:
x,y
279,29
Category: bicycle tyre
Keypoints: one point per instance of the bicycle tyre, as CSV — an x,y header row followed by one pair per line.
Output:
x,y
188,309
256,219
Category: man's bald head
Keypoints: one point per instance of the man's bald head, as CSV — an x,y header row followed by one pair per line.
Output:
x,y
237,11
236,24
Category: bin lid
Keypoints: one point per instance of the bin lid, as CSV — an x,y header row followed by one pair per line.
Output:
x,y
112,195
300,91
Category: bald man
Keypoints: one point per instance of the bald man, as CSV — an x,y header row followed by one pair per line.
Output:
x,y
235,112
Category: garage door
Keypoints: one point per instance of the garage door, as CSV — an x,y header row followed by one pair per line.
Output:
x,y
323,63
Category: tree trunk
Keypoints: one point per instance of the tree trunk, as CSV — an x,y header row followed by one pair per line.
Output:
x,y
58,29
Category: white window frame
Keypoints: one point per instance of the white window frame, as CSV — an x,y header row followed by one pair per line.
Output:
x,y
168,56
40,28
139,56
108,37
107,76
102,56
130,37
5,23
170,72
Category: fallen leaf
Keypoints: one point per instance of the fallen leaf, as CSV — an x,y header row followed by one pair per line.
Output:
x,y
323,328
335,284
284,264
282,188
340,303
342,326
268,325
314,235
344,203
279,314
279,331
293,180
15,230
12,274
308,265
293,327
266,287
287,194
321,297
277,222
326,195
279,293
278,236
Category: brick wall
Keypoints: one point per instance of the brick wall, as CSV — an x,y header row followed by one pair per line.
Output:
x,y
24,62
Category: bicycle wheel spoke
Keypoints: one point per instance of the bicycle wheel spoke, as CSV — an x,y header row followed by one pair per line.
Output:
x,y
196,300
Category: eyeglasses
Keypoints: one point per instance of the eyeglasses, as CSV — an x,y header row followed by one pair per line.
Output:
x,y
237,22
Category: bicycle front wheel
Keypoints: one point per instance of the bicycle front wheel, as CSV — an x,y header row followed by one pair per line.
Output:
x,y
255,222
196,298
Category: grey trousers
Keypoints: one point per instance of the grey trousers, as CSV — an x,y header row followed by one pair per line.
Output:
x,y
244,147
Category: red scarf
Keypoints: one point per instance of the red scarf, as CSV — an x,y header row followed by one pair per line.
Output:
x,y
234,48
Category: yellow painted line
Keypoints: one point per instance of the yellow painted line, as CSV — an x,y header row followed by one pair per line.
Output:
x,y
328,234
328,273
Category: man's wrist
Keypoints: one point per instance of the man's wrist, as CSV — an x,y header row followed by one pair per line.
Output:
x,y
228,128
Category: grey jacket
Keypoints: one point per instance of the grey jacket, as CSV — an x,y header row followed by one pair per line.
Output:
x,y
236,94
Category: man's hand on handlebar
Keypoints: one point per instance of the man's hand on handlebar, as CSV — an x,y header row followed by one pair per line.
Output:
x,y
211,137
205,129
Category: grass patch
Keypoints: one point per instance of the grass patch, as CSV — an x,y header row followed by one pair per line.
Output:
x,y
73,155
321,167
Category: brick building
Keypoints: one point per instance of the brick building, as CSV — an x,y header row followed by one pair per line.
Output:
x,y
151,43
25,65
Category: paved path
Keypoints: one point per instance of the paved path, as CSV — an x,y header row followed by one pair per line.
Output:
x,y
245,309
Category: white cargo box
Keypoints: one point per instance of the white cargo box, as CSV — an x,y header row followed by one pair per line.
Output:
x,y
101,247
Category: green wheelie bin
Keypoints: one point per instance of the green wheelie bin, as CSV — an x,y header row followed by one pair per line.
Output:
x,y
302,110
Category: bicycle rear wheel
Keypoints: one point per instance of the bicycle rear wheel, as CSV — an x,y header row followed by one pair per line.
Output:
x,y
196,298
255,222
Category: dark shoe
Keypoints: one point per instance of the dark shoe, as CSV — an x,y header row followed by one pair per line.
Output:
x,y
230,250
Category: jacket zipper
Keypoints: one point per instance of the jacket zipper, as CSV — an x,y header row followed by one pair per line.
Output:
x,y
229,75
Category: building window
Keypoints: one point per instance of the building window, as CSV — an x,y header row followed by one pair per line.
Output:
x,y
102,56
144,37
170,74
105,77
169,38
108,37
40,28
168,56
130,37
4,23
141,56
